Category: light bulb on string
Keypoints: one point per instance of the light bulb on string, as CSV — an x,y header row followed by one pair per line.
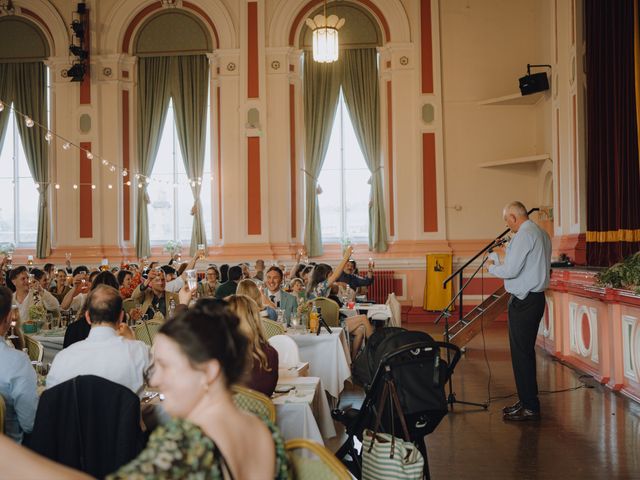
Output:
x,y
66,146
104,162
112,168
125,173
57,186
109,186
93,187
128,183
28,122
75,187
48,137
139,185
89,155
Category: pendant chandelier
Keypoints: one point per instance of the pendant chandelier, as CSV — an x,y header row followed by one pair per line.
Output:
x,y
325,36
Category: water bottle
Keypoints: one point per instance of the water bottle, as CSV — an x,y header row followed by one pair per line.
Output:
x,y
172,308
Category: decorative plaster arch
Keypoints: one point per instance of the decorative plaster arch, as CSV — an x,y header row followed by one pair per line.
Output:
x,y
288,17
131,15
49,20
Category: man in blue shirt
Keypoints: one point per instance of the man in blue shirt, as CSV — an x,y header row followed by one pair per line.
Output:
x,y
525,270
17,379
349,276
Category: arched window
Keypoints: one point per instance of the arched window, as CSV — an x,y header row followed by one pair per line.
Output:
x,y
343,163
24,166
174,136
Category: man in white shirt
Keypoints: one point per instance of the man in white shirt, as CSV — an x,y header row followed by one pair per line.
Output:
x,y
106,352
526,271
17,379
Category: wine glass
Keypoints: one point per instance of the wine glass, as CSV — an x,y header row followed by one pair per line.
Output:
x,y
201,251
15,314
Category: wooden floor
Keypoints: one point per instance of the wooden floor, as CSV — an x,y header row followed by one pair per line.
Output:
x,y
587,433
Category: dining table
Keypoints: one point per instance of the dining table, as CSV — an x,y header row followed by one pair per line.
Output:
x,y
302,409
328,356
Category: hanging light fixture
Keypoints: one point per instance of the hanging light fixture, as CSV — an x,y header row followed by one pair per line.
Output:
x,y
325,36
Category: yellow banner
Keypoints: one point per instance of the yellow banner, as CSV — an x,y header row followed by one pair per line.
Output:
x,y
438,269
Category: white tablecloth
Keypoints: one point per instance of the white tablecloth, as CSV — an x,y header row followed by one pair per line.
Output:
x,y
304,412
328,356
377,311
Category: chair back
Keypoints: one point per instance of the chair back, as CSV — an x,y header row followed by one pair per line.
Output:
x,y
287,348
311,461
330,310
254,402
272,328
34,348
146,331
2,409
128,304
396,310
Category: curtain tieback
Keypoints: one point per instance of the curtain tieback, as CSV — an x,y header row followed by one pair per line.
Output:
x,y
372,174
315,179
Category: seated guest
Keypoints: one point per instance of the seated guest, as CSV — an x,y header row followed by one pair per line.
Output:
x,y
50,270
297,289
175,279
42,278
277,297
198,356
349,276
153,296
250,289
60,287
80,328
229,287
208,286
74,299
224,273
322,278
106,352
264,370
124,281
17,379
259,269
28,293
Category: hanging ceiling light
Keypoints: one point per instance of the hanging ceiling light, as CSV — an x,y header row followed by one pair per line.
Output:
x,y
325,36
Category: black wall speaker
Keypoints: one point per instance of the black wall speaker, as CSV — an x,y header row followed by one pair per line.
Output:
x,y
536,82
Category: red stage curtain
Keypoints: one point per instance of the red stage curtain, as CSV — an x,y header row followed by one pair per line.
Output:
x,y
613,173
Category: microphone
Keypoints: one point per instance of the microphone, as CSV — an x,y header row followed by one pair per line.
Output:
x,y
499,243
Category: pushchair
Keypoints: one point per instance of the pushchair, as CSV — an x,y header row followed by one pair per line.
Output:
x,y
412,361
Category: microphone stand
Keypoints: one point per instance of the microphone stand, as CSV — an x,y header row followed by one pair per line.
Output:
x,y
451,399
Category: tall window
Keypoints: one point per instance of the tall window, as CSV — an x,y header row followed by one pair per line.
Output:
x,y
344,203
18,193
170,209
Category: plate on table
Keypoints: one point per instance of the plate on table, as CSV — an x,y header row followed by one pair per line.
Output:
x,y
284,388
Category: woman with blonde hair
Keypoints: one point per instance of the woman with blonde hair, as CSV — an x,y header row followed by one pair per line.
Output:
x,y
250,289
264,370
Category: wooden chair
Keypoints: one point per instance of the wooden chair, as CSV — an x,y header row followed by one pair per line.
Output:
x,y
146,331
320,465
128,304
330,310
34,348
254,402
271,328
2,409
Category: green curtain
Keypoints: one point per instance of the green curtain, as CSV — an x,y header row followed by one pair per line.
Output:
x,y
153,100
360,89
30,97
189,90
6,98
321,91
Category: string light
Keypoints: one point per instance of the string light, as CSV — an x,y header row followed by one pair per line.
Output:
x,y
141,180
109,186
128,183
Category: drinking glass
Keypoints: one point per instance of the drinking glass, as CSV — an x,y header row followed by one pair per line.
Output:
x,y
201,251
192,279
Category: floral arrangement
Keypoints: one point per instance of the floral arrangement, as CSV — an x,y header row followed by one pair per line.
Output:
x,y
625,274
173,246
7,248
37,312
